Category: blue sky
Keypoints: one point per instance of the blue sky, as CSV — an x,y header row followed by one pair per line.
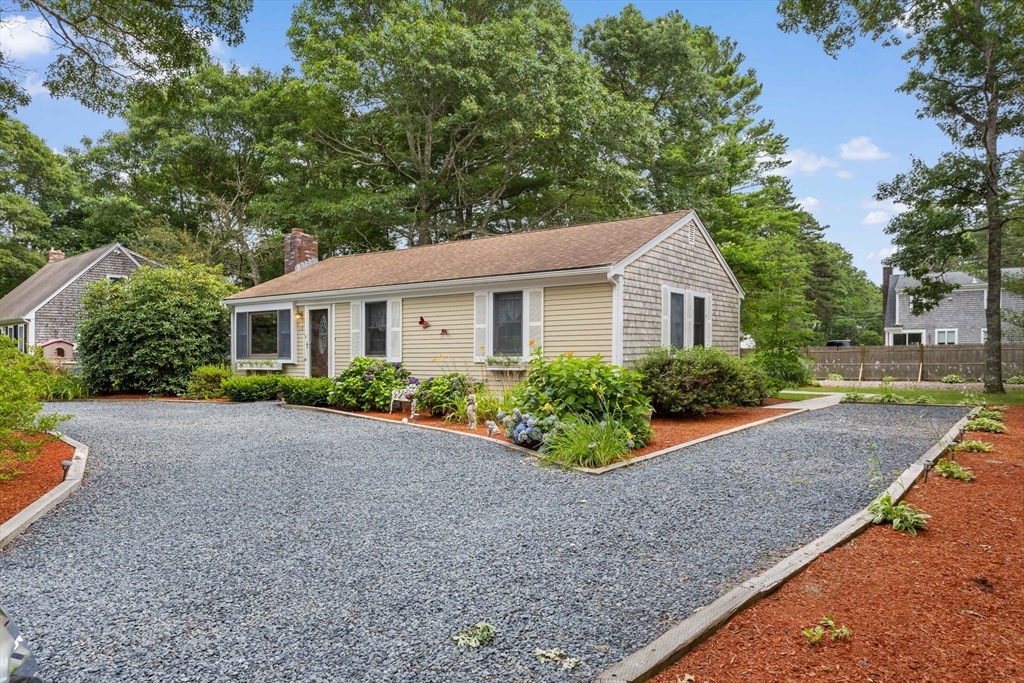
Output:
x,y
848,128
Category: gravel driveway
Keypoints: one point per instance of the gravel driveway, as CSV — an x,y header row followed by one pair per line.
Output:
x,y
252,543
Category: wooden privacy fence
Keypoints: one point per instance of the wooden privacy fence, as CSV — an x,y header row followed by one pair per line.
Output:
x,y
914,363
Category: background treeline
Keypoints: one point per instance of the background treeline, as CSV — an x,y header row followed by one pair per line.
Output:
x,y
412,123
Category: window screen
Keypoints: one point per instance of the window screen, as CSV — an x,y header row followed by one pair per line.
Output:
x,y
263,333
508,323
377,328
698,321
678,320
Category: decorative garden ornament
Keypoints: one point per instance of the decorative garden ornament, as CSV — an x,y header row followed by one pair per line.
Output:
x,y
471,408
492,428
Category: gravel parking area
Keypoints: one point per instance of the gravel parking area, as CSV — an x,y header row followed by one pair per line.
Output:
x,y
248,542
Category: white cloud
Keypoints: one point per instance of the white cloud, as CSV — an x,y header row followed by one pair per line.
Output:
x,y
34,85
808,203
802,161
217,47
876,217
887,205
22,37
861,149
844,174
882,253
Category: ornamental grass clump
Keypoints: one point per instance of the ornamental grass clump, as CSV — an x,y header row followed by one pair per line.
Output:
x,y
367,384
695,380
584,441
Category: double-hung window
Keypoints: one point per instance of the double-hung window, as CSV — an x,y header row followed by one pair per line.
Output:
x,y
686,318
945,337
508,324
376,332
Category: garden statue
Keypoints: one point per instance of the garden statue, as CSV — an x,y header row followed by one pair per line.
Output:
x,y
412,411
471,407
493,429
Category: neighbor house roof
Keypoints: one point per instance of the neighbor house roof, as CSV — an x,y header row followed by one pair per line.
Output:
x,y
899,282
50,279
540,251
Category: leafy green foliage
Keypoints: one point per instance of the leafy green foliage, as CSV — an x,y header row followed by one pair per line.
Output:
x,y
904,517
445,394
950,469
585,442
699,379
953,379
261,387
556,655
568,386
21,384
206,381
784,366
149,332
367,384
476,635
110,49
63,384
985,424
834,377
1016,379
990,415
970,446
814,634
307,391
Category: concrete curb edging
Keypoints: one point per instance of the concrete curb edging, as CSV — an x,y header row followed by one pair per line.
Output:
x,y
644,664
533,454
10,529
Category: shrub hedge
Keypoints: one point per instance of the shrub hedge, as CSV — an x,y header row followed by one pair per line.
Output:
x,y
311,391
696,380
254,387
206,382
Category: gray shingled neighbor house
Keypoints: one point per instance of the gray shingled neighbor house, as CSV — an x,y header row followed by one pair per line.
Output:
x,y
614,289
958,319
45,309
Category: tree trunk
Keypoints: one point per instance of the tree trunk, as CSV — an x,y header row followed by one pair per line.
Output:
x,y
994,211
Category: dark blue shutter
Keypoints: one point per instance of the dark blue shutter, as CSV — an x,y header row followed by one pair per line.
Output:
x,y
284,333
241,335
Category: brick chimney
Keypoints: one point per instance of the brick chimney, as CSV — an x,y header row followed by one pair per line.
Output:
x,y
300,250
886,278
54,255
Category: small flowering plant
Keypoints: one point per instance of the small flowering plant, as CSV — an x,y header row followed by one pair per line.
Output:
x,y
527,429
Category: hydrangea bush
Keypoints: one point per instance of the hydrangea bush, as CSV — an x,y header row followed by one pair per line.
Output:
x,y
443,395
367,384
526,429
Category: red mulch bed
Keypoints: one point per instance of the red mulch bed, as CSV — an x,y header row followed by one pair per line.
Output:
x,y
667,431
39,476
947,605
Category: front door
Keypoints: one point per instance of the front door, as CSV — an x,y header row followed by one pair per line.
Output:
x,y
319,342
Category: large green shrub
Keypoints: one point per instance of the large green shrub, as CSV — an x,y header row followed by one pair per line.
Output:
x,y
21,385
367,384
311,391
568,387
696,380
785,367
149,332
206,381
254,388
445,394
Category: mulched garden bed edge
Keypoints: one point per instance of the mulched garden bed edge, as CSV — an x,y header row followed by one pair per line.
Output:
x,y
671,646
10,529
533,454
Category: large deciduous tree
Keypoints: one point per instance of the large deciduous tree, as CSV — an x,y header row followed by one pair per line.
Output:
x,y
966,62
464,118
106,48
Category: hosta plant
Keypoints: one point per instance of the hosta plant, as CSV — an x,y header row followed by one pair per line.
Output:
x,y
903,516
476,635
953,379
974,446
950,469
1016,379
985,424
986,414
834,377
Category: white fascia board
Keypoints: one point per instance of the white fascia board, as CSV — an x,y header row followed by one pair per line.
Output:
x,y
275,306
558,278
68,283
129,254
620,267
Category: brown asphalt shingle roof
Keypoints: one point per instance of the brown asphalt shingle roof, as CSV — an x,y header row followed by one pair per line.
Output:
x,y
554,249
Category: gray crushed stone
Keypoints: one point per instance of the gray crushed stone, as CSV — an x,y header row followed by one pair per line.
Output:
x,y
249,542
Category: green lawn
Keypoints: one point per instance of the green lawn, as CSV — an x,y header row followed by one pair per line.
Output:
x,y
797,395
937,395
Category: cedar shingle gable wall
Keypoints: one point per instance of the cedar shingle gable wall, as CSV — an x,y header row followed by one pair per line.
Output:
x,y
552,250
58,318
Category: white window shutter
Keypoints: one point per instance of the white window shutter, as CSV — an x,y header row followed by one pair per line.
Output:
x,y
688,321
356,330
709,338
535,320
395,330
480,301
666,316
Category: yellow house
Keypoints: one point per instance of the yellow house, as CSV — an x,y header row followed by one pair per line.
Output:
x,y
614,289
